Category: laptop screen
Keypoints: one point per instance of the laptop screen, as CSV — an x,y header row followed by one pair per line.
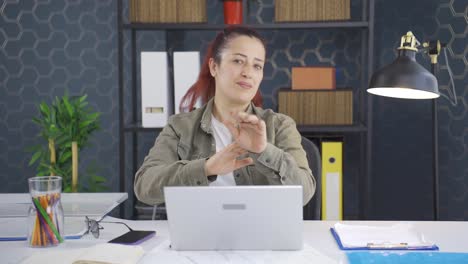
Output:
x,y
235,217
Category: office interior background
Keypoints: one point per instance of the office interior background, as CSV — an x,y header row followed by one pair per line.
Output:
x,y
49,47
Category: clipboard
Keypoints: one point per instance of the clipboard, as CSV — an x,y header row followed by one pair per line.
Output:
x,y
383,246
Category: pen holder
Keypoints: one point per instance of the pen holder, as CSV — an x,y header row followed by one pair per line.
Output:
x,y
45,216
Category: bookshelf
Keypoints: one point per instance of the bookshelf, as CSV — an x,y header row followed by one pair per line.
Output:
x,y
362,123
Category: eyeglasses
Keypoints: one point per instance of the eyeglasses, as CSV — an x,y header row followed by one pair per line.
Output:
x,y
93,226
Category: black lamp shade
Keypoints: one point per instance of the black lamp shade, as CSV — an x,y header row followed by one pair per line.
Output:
x,y
404,78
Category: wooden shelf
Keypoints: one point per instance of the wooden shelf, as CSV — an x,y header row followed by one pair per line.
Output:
x,y
313,129
272,26
138,127
303,129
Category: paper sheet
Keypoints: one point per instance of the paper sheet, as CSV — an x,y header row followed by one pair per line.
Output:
x,y
361,235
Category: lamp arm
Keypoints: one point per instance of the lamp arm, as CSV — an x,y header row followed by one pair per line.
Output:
x,y
453,93
433,48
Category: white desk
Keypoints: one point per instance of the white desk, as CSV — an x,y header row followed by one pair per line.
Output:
x,y
449,236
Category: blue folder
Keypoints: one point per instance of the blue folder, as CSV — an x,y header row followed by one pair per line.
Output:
x,y
419,257
383,247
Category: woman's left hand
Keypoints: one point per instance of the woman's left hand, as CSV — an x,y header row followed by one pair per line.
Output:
x,y
248,131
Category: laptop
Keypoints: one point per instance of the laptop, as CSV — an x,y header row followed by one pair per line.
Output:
x,y
235,217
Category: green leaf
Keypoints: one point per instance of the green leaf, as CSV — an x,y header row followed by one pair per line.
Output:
x,y
86,123
68,106
66,142
65,156
93,116
35,157
53,116
83,98
37,120
83,104
44,109
42,173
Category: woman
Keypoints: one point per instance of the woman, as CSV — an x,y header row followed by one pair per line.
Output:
x,y
229,141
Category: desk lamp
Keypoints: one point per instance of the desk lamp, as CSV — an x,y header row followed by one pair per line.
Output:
x,y
405,78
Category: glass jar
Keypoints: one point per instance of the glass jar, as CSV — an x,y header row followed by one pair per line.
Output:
x,y
45,216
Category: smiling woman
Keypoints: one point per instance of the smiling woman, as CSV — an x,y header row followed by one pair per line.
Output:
x,y
205,86
238,74
230,140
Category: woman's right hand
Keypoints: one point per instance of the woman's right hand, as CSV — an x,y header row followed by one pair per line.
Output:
x,y
226,160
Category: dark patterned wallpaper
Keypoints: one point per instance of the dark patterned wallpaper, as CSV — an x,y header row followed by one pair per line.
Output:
x,y
49,46
402,142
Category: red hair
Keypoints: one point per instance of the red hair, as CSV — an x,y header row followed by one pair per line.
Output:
x,y
204,88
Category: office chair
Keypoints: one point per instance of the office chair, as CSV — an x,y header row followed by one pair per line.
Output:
x,y
312,210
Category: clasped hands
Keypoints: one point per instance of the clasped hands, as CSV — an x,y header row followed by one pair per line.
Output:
x,y
249,135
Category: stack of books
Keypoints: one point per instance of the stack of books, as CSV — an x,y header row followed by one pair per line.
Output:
x,y
167,11
314,100
312,10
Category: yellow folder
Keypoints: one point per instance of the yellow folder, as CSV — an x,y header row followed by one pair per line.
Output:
x,y
332,180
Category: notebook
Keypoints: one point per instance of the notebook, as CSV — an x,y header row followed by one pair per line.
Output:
x,y
235,217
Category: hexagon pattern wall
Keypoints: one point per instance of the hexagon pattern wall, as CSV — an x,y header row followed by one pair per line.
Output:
x,y
49,46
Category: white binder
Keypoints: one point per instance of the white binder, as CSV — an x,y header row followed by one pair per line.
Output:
x,y
186,70
154,89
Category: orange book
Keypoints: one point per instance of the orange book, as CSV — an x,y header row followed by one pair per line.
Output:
x,y
311,78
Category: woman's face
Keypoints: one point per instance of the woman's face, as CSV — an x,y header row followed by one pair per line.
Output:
x,y
240,72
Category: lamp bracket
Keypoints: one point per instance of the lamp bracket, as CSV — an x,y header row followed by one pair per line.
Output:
x,y
409,42
433,48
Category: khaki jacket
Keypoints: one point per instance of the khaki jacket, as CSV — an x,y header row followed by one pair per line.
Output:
x,y
179,154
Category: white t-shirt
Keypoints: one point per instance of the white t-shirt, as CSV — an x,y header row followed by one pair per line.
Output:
x,y
222,138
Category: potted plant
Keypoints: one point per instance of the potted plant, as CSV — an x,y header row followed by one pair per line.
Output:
x,y
66,125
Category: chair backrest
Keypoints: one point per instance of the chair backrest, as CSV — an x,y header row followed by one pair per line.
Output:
x,y
312,210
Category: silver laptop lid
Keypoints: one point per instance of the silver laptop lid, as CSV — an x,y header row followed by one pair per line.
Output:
x,y
235,218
